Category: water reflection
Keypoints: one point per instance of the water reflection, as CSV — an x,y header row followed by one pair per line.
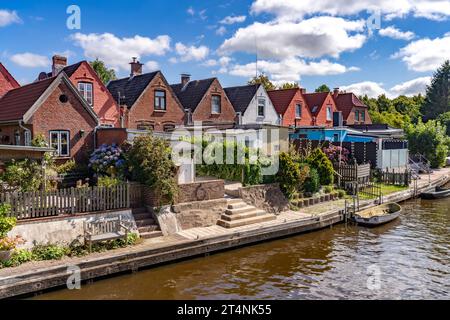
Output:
x,y
412,255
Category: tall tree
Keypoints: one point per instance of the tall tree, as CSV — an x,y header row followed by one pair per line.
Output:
x,y
323,88
288,85
102,71
264,80
437,100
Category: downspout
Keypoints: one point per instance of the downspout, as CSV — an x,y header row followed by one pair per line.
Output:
x,y
24,129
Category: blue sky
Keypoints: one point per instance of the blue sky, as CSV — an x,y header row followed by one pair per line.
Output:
x,y
309,41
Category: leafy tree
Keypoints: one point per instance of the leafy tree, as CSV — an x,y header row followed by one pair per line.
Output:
x,y
408,106
102,71
323,88
444,119
264,80
430,140
312,183
437,100
291,175
319,161
384,103
371,103
288,85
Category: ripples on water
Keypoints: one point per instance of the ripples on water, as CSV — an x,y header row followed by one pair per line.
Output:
x,y
411,254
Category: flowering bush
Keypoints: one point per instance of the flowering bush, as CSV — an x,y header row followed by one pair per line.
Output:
x,y
337,154
7,243
108,160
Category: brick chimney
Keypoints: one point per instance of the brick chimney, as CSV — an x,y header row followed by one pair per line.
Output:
x,y
136,67
335,92
185,78
302,90
59,63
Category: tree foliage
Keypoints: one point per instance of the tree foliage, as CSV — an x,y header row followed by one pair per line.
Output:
x,y
430,140
291,175
319,161
102,71
437,100
323,88
289,85
264,80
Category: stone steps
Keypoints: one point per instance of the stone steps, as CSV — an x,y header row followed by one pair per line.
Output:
x,y
150,235
241,214
147,226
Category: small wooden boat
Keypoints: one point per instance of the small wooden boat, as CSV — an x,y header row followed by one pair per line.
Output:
x,y
378,215
437,193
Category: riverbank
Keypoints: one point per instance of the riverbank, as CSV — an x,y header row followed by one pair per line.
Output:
x,y
37,277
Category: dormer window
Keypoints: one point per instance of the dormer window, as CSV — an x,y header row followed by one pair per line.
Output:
x,y
216,107
298,111
160,100
261,107
329,113
86,91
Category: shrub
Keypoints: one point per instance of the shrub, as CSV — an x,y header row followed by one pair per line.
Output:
x,y
108,160
49,252
23,175
291,174
341,193
6,223
312,183
18,257
319,161
107,182
328,189
336,154
66,167
150,160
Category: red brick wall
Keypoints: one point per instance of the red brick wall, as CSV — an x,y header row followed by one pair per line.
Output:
x,y
5,85
144,111
351,117
104,105
203,110
111,136
321,118
289,115
71,116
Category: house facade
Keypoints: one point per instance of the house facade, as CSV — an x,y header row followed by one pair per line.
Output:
x,y
252,104
53,108
148,101
322,108
291,107
7,81
86,80
354,111
205,101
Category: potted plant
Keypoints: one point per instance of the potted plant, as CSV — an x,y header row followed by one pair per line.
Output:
x,y
6,225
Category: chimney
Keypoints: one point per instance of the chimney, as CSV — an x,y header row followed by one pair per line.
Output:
x,y
302,90
185,78
335,92
59,63
136,67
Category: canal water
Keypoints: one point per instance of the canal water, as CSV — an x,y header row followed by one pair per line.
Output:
x,y
406,259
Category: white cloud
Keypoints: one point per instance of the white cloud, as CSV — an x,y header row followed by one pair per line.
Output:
x,y
9,17
288,70
394,33
296,10
30,60
425,54
191,53
222,63
411,88
374,89
151,66
117,52
312,38
221,31
233,19
190,11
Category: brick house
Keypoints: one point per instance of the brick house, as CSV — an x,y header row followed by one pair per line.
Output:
x,y
54,108
252,104
205,101
148,100
7,81
322,107
84,77
354,111
291,105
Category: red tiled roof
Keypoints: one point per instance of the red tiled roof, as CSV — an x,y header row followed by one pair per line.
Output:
x,y
315,101
282,98
8,76
17,102
346,101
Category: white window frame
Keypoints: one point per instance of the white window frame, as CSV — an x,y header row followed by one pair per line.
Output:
x,y
329,113
58,149
82,88
298,115
261,102
219,105
160,100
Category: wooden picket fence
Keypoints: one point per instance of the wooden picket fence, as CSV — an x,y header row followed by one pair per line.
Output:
x,y
38,204
402,178
352,173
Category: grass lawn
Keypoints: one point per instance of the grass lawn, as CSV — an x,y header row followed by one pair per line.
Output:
x,y
385,190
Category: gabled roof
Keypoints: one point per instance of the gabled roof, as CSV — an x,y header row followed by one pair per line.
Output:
x,y
69,70
281,99
346,101
20,103
193,92
240,97
8,76
131,88
315,101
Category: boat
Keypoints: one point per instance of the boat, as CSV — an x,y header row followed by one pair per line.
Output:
x,y
378,215
437,193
